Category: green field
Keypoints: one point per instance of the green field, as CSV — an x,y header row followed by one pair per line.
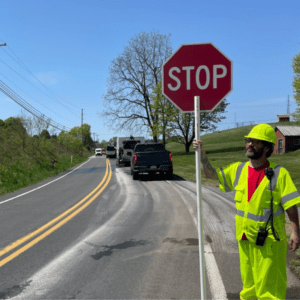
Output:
x,y
226,147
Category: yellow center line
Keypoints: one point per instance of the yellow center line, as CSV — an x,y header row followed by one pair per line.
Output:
x,y
29,236
45,234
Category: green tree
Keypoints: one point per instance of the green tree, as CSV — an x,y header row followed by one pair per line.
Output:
x,y
75,144
12,122
113,141
183,126
163,113
45,134
15,124
296,85
103,144
86,134
64,139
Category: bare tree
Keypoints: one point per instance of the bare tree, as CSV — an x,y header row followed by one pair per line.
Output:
x,y
133,74
27,122
39,124
34,125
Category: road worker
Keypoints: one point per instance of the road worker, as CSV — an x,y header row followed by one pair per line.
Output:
x,y
260,202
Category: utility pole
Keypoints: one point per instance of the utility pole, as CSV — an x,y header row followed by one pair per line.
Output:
x,y
81,124
3,44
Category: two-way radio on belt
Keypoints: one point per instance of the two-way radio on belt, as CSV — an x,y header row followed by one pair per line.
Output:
x,y
263,232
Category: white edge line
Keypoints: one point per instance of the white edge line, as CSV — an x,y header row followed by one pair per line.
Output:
x,y
43,185
217,287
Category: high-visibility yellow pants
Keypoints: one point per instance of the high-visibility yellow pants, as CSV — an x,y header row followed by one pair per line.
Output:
x,y
263,270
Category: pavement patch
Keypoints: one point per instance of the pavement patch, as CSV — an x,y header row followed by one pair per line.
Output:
x,y
14,291
110,249
185,242
89,170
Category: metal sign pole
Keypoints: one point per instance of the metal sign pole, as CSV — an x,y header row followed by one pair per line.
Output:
x,y
199,199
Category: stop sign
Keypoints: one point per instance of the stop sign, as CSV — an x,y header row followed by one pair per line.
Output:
x,y
197,70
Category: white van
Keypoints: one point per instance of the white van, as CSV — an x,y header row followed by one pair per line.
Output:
x,y
98,151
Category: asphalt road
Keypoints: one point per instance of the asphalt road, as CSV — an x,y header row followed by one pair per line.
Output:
x,y
97,234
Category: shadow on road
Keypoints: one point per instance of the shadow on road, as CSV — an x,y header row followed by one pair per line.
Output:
x,y
151,177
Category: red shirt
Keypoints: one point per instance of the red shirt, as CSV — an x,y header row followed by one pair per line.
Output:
x,y
255,176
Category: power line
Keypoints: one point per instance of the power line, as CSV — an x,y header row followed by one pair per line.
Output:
x,y
30,73
35,86
20,63
34,98
11,94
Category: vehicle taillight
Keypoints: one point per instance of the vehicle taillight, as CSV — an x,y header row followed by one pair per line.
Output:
x,y
135,158
170,156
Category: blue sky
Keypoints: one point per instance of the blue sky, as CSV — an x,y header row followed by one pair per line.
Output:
x,y
69,46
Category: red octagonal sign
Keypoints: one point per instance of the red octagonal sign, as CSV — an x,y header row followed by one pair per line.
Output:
x,y
197,70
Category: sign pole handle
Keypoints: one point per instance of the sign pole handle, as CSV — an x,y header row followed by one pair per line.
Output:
x,y
199,199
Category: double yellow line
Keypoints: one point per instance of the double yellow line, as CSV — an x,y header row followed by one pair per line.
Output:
x,y
66,216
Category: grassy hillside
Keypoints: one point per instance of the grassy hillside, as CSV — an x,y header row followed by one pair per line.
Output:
x,y
26,160
225,147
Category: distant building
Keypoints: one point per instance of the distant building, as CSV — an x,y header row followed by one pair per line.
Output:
x,y
287,139
283,118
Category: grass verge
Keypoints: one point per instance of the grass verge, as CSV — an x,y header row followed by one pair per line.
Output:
x,y
19,176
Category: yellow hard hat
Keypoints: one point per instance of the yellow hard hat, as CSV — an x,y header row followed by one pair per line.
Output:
x,y
263,132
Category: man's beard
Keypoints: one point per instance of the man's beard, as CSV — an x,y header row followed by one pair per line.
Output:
x,y
254,154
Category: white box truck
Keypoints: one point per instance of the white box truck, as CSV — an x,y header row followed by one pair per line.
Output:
x,y
110,151
125,146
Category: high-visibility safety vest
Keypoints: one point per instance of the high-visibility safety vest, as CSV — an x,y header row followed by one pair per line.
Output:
x,y
254,214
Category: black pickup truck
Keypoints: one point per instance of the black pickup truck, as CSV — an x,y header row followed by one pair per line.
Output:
x,y
151,158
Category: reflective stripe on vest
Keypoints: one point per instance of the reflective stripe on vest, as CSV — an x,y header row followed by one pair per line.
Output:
x,y
227,188
275,177
237,177
289,197
267,211
238,174
240,212
266,215
259,218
